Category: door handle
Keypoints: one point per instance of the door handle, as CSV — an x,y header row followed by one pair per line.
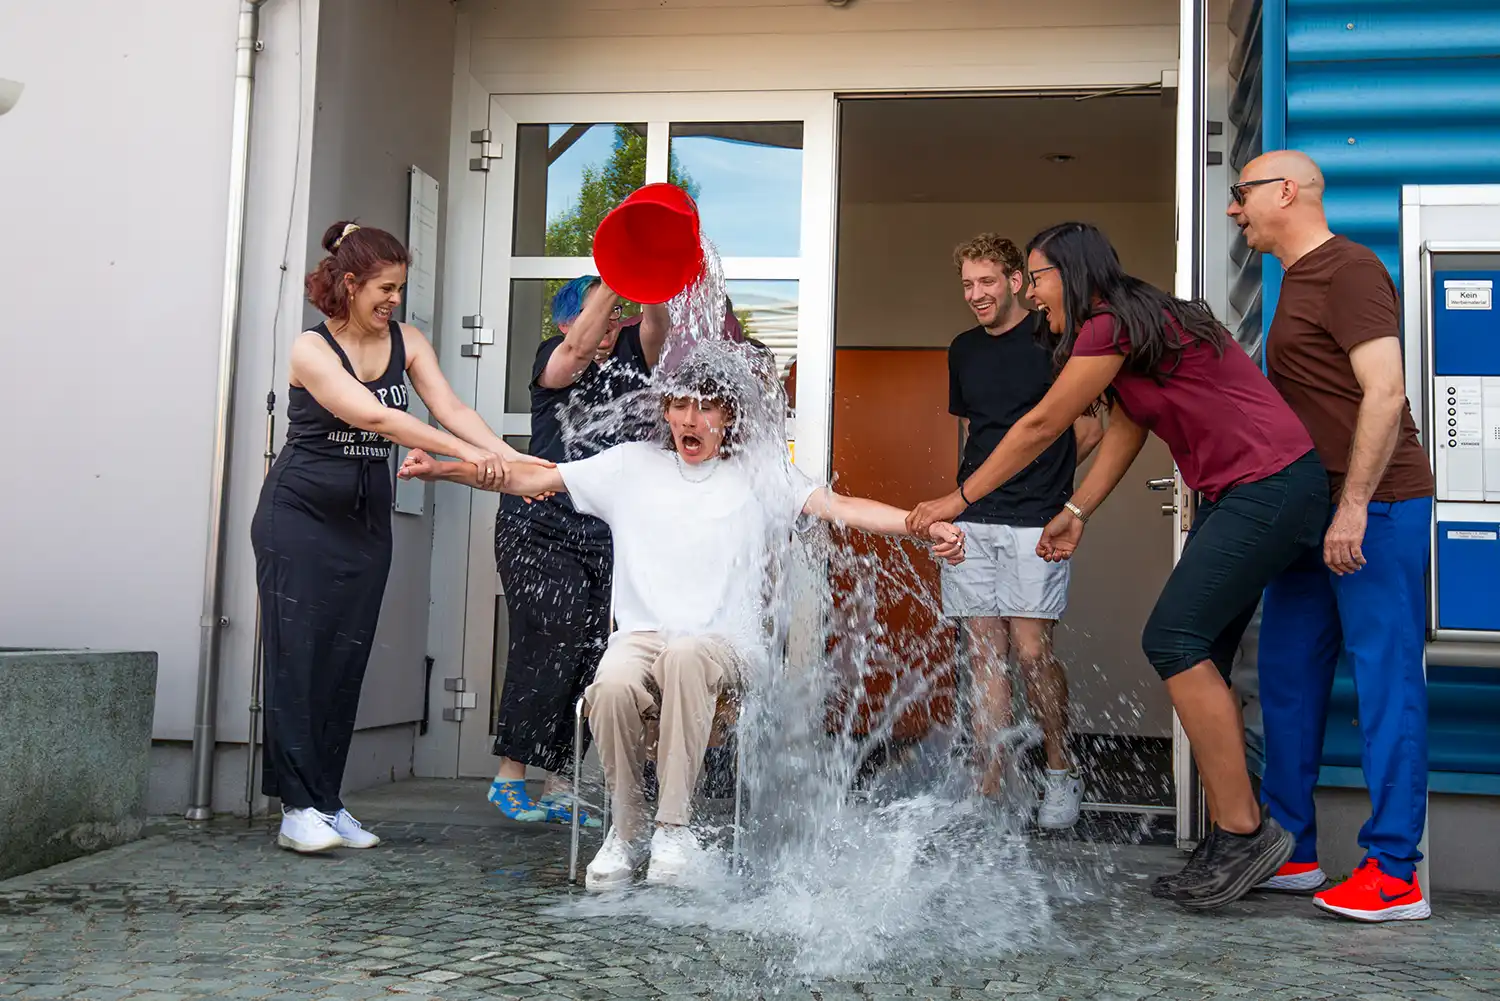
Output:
x,y
1168,510
1164,483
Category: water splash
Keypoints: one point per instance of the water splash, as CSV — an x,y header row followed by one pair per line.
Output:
x,y
861,852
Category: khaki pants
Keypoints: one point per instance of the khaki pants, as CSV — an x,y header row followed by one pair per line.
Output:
x,y
647,687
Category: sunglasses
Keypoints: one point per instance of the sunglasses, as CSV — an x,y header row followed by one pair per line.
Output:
x,y
1238,190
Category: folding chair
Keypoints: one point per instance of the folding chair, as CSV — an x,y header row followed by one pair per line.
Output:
x,y
579,721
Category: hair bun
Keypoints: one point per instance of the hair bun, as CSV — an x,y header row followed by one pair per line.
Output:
x,y
335,234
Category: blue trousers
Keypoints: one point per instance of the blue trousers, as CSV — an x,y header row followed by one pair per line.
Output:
x,y
1374,617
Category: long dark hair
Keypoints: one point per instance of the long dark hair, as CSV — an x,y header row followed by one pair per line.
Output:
x,y
1094,283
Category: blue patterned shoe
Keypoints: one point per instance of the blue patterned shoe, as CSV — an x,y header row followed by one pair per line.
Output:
x,y
559,807
510,798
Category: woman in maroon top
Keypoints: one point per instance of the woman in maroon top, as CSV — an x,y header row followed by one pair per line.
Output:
x,y
1166,365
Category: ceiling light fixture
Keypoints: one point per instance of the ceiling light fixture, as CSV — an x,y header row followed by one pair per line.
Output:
x,y
1059,158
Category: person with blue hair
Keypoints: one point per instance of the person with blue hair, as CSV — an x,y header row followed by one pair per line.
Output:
x,y
555,563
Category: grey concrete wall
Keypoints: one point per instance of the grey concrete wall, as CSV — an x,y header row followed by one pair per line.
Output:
x,y
377,756
75,734
385,90
1462,850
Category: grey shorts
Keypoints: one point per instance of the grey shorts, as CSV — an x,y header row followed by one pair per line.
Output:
x,y
1002,576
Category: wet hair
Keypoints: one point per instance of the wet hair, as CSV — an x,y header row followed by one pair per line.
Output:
x,y
361,251
567,302
1094,283
990,247
695,379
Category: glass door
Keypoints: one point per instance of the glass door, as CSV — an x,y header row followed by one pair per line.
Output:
x,y
761,167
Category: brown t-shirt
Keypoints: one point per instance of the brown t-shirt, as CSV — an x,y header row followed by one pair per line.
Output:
x,y
1335,298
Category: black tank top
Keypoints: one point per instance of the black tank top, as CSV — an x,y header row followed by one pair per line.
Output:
x,y
328,464
313,430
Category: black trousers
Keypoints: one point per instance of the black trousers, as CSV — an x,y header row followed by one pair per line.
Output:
x,y
1238,543
555,565
322,543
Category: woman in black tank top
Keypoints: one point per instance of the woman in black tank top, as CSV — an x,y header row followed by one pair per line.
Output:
x,y
322,530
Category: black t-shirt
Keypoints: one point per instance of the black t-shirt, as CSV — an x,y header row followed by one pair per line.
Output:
x,y
994,380
624,371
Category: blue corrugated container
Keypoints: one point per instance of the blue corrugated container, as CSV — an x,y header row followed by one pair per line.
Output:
x,y
1384,93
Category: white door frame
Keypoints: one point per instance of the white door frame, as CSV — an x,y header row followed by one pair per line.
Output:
x,y
1192,170
813,270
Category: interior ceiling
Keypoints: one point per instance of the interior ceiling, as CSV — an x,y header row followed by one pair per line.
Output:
x,y
994,149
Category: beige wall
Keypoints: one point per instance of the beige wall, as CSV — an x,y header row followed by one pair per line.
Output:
x,y
906,293
897,288
678,45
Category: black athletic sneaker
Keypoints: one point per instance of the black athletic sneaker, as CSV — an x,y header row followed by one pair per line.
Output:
x,y
1234,864
1165,887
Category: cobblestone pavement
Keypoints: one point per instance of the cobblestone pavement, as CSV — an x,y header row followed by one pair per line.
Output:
x,y
467,908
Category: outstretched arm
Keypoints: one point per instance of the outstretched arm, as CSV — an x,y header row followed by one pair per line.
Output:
x,y
451,412
1122,443
317,369
1081,382
522,479
882,519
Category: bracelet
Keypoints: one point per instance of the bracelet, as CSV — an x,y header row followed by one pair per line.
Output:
x,y
961,494
1076,512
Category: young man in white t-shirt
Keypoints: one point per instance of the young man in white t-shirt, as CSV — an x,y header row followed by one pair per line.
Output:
x,y
693,534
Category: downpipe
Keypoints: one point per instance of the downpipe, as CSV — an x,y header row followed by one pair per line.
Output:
x,y
212,623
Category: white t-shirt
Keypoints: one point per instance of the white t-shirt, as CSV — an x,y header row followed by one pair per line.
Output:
x,y
692,543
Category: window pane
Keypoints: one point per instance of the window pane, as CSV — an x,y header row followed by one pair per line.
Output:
x,y
747,179
767,311
568,177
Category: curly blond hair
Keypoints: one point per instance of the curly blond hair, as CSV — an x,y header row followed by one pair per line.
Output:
x,y
990,247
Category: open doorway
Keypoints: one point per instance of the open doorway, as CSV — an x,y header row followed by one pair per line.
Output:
x,y
917,177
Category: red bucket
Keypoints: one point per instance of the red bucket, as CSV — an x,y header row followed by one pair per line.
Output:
x,y
648,248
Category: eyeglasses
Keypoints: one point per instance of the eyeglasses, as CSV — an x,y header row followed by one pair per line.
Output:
x,y
1238,190
1042,271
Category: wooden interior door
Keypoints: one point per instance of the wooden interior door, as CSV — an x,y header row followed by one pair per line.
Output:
x,y
894,441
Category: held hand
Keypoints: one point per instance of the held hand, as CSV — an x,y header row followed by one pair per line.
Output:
x,y
489,469
1060,538
928,513
949,541
511,457
417,465
1343,545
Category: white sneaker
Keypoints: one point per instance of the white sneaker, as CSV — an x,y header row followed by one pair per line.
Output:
x,y
1062,800
675,856
307,830
353,833
615,864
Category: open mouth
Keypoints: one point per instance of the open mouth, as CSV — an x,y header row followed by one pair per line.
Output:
x,y
383,312
691,443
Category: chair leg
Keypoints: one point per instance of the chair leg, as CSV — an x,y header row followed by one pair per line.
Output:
x,y
577,771
739,785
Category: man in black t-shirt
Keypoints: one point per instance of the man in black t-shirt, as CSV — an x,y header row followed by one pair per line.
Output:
x,y
555,563
1008,597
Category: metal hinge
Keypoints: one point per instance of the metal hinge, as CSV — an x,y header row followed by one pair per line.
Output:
x,y
479,336
463,699
488,149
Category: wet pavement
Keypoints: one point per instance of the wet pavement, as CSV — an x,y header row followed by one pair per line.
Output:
x,y
460,904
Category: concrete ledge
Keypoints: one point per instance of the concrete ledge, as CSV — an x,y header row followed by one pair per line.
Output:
x,y
75,738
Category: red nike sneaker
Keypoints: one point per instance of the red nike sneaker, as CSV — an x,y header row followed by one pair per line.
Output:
x,y
1371,895
1296,877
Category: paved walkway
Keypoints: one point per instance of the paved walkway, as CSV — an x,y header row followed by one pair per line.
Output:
x,y
459,905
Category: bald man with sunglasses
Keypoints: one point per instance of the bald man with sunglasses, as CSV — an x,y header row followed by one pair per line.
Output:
x,y
1334,354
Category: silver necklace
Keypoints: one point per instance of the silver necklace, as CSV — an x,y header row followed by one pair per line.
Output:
x,y
682,469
